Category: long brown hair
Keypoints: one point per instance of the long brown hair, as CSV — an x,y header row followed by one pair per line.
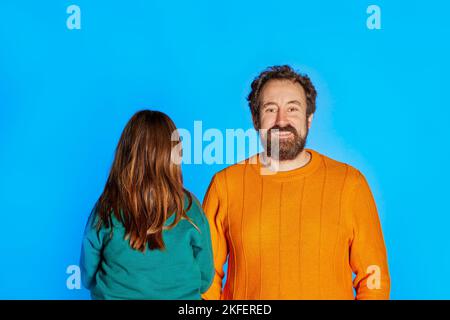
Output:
x,y
144,186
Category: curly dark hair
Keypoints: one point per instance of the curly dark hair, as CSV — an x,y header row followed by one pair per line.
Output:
x,y
284,72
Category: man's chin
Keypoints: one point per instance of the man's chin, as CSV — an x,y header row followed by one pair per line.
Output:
x,y
286,154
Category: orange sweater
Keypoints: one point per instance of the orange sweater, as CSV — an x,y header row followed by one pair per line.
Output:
x,y
297,234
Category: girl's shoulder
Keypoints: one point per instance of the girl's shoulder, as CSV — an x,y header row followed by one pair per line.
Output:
x,y
111,220
195,212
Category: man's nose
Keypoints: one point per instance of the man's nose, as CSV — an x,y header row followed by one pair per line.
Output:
x,y
281,118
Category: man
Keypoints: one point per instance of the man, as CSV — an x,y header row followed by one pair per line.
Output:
x,y
303,230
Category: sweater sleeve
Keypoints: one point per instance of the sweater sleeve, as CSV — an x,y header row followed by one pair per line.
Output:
x,y
215,209
91,249
202,248
368,257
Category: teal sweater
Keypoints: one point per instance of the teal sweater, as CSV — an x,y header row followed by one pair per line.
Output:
x,y
111,269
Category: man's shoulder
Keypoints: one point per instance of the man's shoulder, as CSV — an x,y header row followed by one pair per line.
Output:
x,y
339,168
233,174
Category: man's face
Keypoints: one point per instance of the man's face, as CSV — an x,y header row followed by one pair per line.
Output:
x,y
283,118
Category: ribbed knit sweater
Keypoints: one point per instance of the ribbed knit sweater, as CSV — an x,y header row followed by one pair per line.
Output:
x,y
298,234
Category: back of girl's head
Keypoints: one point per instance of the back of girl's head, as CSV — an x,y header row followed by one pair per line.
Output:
x,y
145,185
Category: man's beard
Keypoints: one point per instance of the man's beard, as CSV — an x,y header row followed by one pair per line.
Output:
x,y
288,149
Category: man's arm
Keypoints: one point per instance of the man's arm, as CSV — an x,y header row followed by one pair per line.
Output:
x,y
215,210
368,252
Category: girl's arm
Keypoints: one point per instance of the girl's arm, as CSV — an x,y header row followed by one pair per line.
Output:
x,y
202,248
91,250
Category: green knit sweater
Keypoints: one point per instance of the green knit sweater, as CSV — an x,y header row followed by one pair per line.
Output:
x,y
111,269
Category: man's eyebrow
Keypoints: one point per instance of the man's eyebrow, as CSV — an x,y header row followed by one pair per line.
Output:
x,y
295,102
268,104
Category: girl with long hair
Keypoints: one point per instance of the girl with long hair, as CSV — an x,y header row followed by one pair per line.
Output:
x,y
147,236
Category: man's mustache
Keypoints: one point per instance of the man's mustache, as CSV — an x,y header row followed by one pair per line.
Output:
x,y
287,128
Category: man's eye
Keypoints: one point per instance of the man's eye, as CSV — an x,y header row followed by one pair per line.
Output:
x,y
293,109
270,109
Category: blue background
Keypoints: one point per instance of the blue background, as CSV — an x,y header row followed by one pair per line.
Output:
x,y
65,96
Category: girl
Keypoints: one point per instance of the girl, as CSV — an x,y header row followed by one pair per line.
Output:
x,y
147,236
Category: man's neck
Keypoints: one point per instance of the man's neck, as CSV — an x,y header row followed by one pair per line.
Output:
x,y
301,160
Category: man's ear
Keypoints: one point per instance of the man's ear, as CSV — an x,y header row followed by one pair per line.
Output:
x,y
310,118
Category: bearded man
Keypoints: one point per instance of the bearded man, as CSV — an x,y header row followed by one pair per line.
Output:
x,y
294,223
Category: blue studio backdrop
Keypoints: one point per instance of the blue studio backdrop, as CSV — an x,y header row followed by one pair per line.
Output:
x,y
73,72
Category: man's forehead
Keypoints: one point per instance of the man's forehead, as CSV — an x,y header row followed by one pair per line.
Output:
x,y
275,89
